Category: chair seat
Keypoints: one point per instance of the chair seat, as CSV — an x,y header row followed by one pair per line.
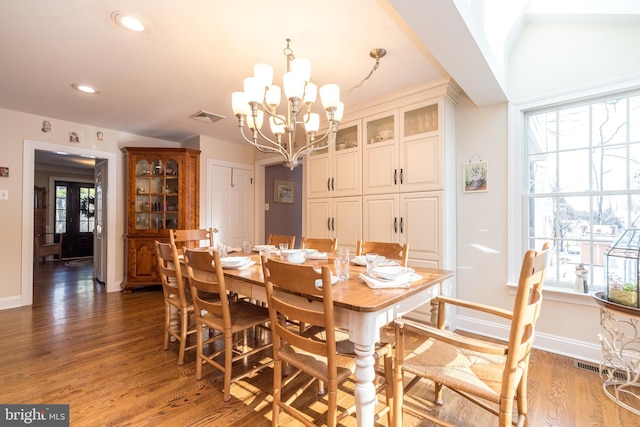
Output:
x,y
244,315
316,365
477,373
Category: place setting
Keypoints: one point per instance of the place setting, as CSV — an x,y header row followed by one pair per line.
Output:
x,y
382,273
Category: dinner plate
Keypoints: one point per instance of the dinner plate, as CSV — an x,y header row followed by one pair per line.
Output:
x,y
234,261
362,260
258,248
334,280
394,272
240,267
317,255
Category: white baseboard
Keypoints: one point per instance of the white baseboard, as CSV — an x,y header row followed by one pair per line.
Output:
x,y
564,346
10,302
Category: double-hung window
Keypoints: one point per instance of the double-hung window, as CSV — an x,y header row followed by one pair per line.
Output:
x,y
582,181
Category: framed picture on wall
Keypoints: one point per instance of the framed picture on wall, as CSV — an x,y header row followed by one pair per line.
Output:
x,y
476,177
282,191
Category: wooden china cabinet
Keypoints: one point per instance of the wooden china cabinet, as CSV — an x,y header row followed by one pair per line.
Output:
x,y
163,192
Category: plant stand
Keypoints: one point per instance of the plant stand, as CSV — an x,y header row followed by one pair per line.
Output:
x,y
620,364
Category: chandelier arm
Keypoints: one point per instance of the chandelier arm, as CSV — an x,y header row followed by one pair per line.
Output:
x,y
260,147
308,148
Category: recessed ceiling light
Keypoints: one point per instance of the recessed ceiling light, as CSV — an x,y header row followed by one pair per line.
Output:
x,y
85,88
131,22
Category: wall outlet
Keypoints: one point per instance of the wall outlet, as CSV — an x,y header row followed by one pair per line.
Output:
x,y
4,194
266,206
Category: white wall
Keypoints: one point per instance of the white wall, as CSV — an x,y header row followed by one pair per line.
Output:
x,y
15,129
547,60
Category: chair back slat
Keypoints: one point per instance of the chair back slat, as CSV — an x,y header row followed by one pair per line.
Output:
x,y
276,239
323,245
387,249
192,238
170,271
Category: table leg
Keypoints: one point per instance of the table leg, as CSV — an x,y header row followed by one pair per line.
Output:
x,y
365,390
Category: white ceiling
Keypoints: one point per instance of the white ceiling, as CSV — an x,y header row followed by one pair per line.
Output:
x,y
199,52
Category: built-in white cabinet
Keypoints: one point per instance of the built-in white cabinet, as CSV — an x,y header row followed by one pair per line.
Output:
x,y
402,150
337,171
414,218
408,172
332,217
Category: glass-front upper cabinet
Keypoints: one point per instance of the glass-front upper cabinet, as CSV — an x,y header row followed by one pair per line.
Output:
x,y
156,201
420,120
381,129
347,138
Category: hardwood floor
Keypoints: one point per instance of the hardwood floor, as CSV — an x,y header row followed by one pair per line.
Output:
x,y
102,354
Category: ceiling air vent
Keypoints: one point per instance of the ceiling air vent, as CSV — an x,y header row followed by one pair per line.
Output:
x,y
204,116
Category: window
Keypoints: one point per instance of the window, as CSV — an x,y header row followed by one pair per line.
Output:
x,y
582,181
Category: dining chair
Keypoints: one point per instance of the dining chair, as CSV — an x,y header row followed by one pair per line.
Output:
x,y
489,374
176,300
231,317
323,245
312,351
386,249
192,238
276,239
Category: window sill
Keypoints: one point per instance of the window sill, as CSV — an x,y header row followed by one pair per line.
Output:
x,y
556,293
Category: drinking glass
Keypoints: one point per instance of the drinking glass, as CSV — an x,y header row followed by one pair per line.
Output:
x,y
246,246
342,263
222,250
283,246
372,262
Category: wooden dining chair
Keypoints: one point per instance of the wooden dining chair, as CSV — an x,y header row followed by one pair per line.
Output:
x,y
312,351
489,374
386,249
231,317
276,239
322,245
192,238
178,308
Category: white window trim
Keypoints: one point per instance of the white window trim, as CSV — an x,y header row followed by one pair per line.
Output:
x,y
516,163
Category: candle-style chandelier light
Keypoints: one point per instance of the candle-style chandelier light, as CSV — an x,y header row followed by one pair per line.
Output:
x,y
261,98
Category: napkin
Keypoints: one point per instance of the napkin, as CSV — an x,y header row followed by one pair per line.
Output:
x,y
375,283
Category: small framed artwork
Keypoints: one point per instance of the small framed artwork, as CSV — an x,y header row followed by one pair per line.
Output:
x,y
475,177
4,172
283,191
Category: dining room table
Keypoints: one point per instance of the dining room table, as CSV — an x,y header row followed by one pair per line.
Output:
x,y
358,308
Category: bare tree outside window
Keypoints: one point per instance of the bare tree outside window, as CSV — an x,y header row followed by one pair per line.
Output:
x,y
583,181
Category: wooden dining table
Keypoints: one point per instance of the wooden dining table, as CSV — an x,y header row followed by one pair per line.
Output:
x,y
360,310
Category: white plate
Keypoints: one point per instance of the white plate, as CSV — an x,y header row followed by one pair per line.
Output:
x,y
334,280
257,248
234,261
362,260
393,272
240,267
318,255
359,260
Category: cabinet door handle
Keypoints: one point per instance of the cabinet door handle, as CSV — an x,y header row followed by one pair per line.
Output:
x,y
401,176
401,225
395,177
332,187
329,224
328,184
333,223
395,224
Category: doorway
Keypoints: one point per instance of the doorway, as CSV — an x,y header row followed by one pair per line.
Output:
x,y
30,148
74,211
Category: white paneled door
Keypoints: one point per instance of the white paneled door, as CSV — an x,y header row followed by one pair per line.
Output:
x,y
230,203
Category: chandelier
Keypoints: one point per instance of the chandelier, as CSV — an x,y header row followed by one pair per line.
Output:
x,y
260,101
